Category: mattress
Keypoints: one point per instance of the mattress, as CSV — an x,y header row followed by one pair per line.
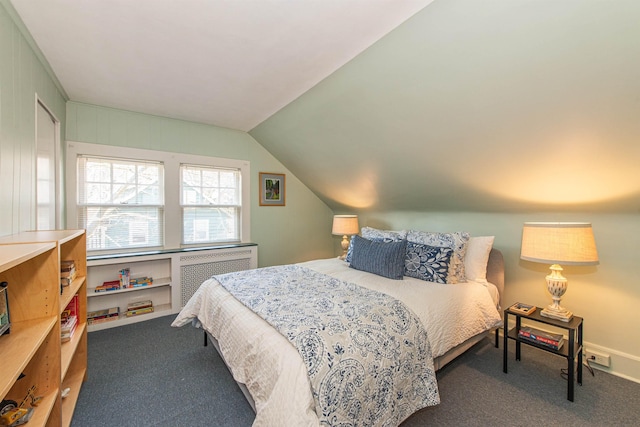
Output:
x,y
273,371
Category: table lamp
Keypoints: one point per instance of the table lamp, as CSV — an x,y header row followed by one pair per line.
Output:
x,y
345,225
568,243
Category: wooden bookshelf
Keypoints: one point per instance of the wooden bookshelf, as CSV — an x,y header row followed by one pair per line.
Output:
x,y
30,263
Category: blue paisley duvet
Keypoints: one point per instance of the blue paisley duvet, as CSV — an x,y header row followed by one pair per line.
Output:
x,y
367,355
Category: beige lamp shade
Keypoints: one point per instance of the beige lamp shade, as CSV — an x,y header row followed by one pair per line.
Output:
x,y
345,225
567,243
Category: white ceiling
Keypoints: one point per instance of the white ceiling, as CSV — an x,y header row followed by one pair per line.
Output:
x,y
230,63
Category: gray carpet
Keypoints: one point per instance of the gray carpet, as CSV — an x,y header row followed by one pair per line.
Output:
x,y
149,374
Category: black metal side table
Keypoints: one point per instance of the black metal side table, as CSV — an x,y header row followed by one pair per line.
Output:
x,y
571,350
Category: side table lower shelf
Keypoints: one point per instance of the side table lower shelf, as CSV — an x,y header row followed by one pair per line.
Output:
x,y
571,350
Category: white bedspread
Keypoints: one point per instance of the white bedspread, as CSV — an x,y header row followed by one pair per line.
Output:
x,y
271,368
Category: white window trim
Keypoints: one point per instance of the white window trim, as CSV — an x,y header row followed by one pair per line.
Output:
x,y
58,172
172,162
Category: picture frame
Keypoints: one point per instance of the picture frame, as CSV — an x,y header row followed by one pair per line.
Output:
x,y
5,320
272,189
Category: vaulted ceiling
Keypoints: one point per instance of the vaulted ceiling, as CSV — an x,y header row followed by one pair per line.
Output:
x,y
227,63
499,105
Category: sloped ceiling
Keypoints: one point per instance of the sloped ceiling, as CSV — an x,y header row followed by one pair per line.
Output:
x,y
497,105
226,63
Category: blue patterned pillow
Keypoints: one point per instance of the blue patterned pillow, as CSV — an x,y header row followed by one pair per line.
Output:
x,y
426,262
376,235
457,241
382,258
350,250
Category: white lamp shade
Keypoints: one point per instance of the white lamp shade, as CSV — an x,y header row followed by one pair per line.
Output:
x,y
567,243
344,225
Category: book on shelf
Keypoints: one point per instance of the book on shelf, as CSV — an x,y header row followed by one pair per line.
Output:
x,y
112,285
96,320
125,278
67,265
71,309
522,308
139,304
141,281
139,311
68,327
67,272
69,319
547,339
105,315
139,307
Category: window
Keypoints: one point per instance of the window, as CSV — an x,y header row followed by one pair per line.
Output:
x,y
210,201
129,198
120,202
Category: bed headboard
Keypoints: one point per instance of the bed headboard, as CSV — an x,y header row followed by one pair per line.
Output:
x,y
495,270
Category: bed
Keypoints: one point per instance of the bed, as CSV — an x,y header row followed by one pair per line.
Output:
x,y
278,378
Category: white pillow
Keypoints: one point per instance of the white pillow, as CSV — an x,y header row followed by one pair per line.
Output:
x,y
477,257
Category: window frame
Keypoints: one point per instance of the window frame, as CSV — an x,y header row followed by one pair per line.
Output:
x,y
185,205
172,205
126,207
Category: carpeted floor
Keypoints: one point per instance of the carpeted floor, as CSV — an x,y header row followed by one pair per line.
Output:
x,y
149,374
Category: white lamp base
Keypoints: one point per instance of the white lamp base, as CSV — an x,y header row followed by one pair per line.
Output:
x,y
345,247
562,314
557,286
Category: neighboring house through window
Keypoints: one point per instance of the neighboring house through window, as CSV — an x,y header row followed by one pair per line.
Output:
x,y
131,199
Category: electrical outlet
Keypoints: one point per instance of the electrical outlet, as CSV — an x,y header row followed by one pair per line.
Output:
x,y
599,358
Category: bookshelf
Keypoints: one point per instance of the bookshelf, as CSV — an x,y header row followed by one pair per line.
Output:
x,y
157,266
176,274
30,263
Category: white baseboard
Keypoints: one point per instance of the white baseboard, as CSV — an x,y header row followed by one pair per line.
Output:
x,y
623,364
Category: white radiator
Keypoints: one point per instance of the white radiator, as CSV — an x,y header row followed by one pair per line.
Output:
x,y
199,266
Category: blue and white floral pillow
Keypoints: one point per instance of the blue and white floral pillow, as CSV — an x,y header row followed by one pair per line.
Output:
x,y
426,262
457,241
376,235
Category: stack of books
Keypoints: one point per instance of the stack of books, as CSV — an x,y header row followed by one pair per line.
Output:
x,y
100,316
141,281
112,285
69,319
138,308
67,272
545,339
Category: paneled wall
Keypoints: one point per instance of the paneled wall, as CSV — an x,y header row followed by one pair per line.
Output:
x,y
22,77
299,231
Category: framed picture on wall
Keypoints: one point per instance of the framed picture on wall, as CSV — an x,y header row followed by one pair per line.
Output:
x,y
272,189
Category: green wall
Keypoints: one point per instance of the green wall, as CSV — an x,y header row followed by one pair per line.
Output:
x,y
606,295
299,231
22,77
480,116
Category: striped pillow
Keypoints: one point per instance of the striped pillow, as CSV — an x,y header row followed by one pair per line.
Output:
x,y
382,258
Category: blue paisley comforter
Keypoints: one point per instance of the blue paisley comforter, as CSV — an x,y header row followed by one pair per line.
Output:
x,y
367,355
